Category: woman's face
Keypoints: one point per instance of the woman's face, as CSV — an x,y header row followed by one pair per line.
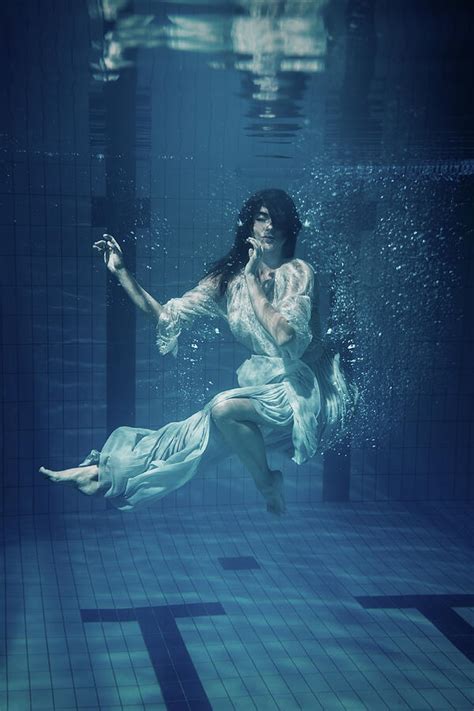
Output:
x,y
271,238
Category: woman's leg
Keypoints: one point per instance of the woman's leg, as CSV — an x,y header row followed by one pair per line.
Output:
x,y
86,479
238,420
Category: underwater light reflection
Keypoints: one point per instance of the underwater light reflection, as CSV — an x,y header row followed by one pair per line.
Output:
x,y
264,40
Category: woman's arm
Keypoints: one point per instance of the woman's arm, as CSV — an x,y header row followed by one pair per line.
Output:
x,y
272,321
113,258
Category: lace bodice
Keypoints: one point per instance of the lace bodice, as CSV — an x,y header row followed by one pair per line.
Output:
x,y
289,289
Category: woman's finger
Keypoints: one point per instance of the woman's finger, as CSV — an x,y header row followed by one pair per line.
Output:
x,y
109,238
256,245
115,243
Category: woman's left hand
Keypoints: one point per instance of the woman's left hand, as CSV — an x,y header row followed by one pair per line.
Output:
x,y
255,257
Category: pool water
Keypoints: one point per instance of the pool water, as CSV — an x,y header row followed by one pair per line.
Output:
x,y
154,122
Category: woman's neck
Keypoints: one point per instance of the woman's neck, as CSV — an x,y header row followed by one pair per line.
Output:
x,y
272,261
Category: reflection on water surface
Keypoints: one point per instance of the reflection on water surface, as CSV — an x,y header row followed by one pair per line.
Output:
x,y
274,44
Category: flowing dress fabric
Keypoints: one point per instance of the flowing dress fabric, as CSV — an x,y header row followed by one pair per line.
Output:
x,y
140,466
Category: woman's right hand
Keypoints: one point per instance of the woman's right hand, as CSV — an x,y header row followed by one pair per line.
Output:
x,y
255,257
112,251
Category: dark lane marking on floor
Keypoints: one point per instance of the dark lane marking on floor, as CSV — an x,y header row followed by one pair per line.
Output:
x,y
174,668
438,609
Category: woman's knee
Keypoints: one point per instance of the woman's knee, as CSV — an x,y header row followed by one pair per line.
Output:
x,y
222,412
234,409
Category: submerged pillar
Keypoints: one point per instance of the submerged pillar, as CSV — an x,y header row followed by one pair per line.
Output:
x,y
120,202
113,132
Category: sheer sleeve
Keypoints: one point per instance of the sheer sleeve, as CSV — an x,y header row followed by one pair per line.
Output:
x,y
181,312
294,300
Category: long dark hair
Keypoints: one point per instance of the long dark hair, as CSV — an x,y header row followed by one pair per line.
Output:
x,y
284,216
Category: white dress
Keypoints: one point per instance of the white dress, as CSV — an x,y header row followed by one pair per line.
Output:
x,y
141,465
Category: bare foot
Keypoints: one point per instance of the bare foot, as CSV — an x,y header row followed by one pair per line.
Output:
x,y
274,495
83,478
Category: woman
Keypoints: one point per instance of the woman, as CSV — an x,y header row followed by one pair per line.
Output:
x,y
267,297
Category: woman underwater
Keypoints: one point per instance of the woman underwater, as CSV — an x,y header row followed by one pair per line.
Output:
x,y
289,387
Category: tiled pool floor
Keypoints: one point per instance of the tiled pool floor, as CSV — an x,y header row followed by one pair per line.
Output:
x,y
334,606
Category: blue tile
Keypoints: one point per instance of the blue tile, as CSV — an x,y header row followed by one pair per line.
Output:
x,y
239,563
296,615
